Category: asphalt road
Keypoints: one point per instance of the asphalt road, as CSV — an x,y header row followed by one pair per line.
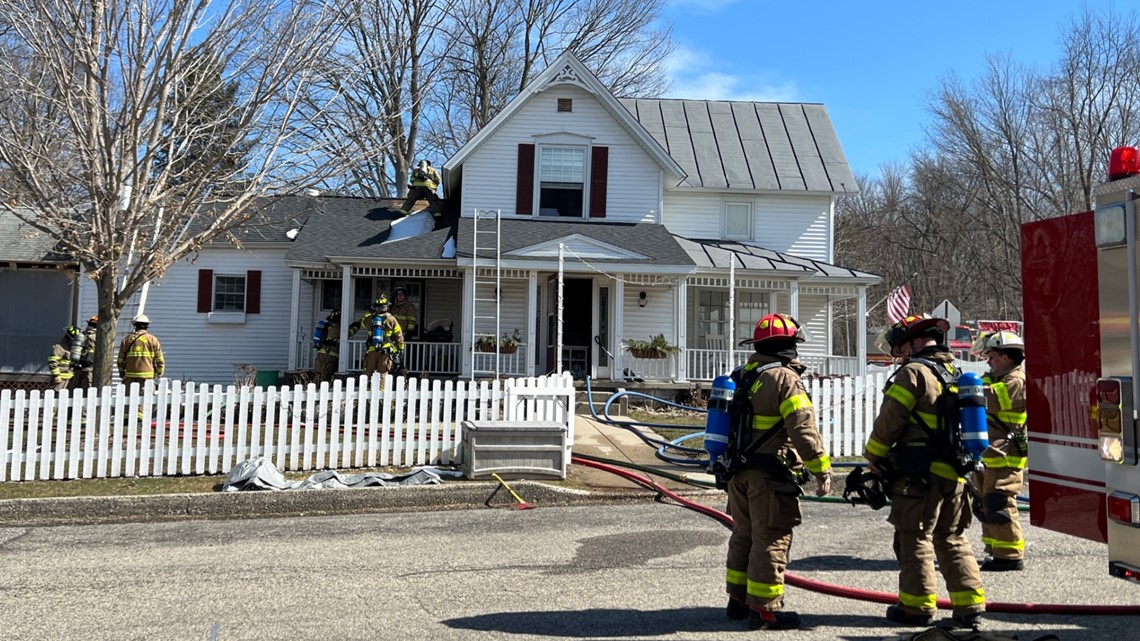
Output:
x,y
633,571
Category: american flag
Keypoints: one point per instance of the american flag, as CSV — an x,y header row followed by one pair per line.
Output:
x,y
898,303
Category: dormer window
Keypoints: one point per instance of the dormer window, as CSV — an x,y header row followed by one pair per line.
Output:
x,y
738,220
565,104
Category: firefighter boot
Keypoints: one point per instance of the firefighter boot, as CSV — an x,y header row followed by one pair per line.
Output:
x,y
736,609
899,615
1003,565
961,620
768,620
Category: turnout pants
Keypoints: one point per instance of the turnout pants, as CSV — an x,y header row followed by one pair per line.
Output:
x,y
377,361
931,522
421,193
1000,486
326,365
761,537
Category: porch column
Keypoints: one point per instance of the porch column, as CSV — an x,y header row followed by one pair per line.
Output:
x,y
346,318
531,323
861,332
294,320
619,324
468,320
680,307
794,299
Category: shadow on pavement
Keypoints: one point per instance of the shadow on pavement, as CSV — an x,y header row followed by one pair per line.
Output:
x,y
836,563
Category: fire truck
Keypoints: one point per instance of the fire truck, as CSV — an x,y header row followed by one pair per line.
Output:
x,y
1082,346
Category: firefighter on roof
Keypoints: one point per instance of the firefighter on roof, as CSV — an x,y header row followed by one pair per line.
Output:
x,y
140,355
1004,461
425,180
763,495
385,338
929,505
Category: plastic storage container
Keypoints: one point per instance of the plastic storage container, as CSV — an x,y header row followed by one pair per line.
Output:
x,y
514,449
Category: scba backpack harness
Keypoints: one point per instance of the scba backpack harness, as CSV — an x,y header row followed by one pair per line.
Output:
x,y
736,458
945,440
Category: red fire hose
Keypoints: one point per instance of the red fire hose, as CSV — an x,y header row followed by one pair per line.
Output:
x,y
859,594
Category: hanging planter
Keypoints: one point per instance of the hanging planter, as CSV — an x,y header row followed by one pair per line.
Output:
x,y
655,347
506,344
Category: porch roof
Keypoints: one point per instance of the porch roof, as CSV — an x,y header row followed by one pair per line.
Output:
x,y
22,243
715,254
631,244
356,228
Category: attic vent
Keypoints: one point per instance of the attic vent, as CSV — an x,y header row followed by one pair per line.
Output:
x,y
565,104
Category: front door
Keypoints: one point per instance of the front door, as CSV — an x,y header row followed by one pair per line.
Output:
x,y
578,325
601,343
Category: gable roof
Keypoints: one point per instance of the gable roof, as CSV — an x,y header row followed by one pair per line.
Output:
x,y
720,144
716,254
22,243
567,69
356,229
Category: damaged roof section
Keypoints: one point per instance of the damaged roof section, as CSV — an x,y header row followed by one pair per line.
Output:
x,y
362,229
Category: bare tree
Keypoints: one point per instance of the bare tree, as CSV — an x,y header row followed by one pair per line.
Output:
x,y
93,92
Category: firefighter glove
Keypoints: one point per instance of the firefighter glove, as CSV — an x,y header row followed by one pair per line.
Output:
x,y
354,327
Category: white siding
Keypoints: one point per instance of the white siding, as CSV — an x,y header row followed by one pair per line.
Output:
x,y
814,314
204,352
798,225
512,311
444,302
489,174
657,317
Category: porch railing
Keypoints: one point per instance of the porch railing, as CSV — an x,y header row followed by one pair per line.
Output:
x,y
707,364
513,364
651,368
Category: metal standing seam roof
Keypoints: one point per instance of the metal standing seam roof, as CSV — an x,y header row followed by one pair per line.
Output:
x,y
710,254
781,146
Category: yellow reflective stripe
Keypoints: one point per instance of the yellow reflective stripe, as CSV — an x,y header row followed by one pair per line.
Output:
x,y
1005,403
876,447
945,471
1004,545
756,386
1012,418
1016,462
736,577
794,403
819,465
765,422
765,590
994,461
924,601
931,420
968,597
902,395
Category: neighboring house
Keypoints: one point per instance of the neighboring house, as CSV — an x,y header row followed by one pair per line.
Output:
x,y
38,287
624,218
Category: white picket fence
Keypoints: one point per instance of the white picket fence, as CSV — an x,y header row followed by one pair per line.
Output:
x,y
171,429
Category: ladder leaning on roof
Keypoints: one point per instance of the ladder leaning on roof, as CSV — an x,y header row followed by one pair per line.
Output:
x,y
486,249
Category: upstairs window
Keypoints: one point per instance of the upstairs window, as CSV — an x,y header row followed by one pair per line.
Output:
x,y
738,220
562,175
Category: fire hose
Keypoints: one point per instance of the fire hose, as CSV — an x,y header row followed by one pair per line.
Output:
x,y
858,594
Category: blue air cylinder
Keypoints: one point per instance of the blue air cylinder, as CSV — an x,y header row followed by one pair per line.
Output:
x,y
377,331
972,414
718,423
319,333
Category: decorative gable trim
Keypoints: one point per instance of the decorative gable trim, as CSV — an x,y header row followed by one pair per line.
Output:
x,y
580,246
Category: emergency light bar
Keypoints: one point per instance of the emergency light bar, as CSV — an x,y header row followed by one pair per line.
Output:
x,y
1124,162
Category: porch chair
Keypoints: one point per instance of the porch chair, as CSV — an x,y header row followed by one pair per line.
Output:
x,y
720,360
439,331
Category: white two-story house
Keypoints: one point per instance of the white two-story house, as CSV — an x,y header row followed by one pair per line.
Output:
x,y
574,220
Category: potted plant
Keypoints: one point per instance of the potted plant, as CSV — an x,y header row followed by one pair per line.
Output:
x,y
656,347
507,344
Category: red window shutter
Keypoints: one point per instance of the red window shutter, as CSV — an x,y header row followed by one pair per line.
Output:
x,y
524,197
599,170
205,291
253,291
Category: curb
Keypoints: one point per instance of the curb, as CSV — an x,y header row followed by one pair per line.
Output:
x,y
277,504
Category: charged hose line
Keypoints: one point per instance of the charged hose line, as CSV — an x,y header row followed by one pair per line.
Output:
x,y
860,594
662,445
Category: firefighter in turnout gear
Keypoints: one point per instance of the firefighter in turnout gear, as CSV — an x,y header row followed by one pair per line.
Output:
x,y
404,311
778,423
385,338
140,355
425,180
929,504
1003,475
85,368
328,351
60,362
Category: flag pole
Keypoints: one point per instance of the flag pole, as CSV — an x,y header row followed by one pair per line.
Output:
x,y
892,290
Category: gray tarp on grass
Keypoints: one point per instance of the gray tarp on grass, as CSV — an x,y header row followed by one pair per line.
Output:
x,y
260,474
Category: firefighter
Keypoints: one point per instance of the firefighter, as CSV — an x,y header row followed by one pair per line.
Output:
x,y
404,310
62,376
763,496
425,180
929,506
385,338
328,351
85,368
140,355
1003,474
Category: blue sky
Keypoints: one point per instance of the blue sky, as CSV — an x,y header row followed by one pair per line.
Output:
x,y
873,63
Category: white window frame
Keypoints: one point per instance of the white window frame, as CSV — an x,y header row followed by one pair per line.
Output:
x,y
537,195
724,219
227,316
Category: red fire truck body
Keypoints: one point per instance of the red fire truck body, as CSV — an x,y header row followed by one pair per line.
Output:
x,y
1082,343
